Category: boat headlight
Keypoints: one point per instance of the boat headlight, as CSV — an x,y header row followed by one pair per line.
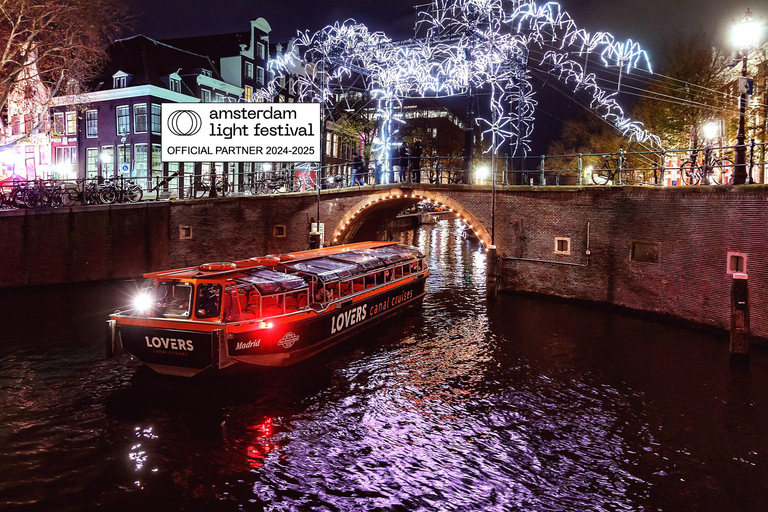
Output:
x,y
143,303
266,325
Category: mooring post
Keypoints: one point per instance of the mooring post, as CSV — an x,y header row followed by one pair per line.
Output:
x,y
491,277
739,346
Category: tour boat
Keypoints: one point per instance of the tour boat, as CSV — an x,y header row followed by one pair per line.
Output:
x,y
275,310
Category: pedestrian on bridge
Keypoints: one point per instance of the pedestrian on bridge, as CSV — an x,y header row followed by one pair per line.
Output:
x,y
402,161
416,160
357,169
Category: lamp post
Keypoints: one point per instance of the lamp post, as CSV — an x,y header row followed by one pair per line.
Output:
x,y
745,35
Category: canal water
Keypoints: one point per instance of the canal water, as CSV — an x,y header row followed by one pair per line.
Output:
x,y
523,404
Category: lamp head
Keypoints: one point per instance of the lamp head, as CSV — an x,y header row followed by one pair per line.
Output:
x,y
745,35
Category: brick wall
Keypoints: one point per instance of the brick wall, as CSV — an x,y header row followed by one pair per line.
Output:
x,y
694,228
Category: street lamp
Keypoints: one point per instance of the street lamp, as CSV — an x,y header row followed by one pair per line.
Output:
x,y
745,37
711,130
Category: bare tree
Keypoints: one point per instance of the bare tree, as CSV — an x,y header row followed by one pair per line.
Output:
x,y
47,45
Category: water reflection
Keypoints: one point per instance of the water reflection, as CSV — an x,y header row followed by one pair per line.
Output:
x,y
522,404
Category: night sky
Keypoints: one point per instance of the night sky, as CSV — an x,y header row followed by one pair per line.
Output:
x,y
651,22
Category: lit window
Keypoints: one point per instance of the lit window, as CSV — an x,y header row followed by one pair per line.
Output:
x,y
58,122
91,124
91,163
156,118
119,82
140,160
140,118
71,123
248,93
107,159
123,120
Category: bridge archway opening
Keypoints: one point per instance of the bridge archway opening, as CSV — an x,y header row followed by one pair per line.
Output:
x,y
367,218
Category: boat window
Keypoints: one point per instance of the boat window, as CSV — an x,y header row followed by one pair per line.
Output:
x,y
398,272
365,261
208,300
370,281
272,305
173,299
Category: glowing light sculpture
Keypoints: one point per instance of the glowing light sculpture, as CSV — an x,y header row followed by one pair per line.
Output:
x,y
466,45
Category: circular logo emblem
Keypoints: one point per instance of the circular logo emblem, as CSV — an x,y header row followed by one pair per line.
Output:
x,y
184,123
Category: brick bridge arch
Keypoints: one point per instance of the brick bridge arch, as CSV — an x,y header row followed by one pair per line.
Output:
x,y
363,220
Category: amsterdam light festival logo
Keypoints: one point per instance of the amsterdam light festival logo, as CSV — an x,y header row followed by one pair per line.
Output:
x,y
184,123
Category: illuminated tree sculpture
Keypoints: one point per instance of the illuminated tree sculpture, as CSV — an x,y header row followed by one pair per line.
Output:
x,y
461,46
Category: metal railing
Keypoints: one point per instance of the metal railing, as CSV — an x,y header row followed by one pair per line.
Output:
x,y
701,166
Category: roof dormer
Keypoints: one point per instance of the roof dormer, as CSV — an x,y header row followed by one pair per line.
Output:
x,y
121,79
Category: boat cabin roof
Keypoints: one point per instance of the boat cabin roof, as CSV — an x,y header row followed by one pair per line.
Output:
x,y
327,264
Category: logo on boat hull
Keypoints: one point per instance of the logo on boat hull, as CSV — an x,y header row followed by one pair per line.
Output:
x,y
288,340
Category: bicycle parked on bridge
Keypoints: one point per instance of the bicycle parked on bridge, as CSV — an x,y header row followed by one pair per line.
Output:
x,y
200,188
127,191
716,170
610,172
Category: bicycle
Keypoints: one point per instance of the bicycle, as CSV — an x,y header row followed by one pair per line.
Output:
x,y
717,170
112,193
609,172
200,189
86,192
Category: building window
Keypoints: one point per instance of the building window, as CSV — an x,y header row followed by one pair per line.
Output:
x,y
71,123
156,118
107,158
123,120
205,72
185,232
278,231
646,252
205,95
119,82
261,75
29,123
260,49
140,118
16,127
139,160
157,162
176,84
220,98
248,70
58,123
737,263
124,158
91,163
562,245
248,93
91,124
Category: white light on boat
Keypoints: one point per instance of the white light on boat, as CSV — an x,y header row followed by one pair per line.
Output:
x,y
143,303
266,325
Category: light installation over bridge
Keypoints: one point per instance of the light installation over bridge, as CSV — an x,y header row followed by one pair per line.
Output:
x,y
462,46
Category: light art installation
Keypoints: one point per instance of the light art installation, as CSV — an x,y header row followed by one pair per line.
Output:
x,y
461,46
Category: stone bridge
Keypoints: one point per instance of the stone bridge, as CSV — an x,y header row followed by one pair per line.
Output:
x,y
671,251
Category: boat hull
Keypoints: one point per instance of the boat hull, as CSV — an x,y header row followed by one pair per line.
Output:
x,y
191,349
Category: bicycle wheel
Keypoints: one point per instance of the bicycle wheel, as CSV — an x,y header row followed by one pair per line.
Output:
x,y
222,188
628,175
108,195
602,175
722,171
689,173
134,193
69,196
199,189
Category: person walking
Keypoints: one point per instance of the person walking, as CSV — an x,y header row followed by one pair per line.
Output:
x,y
416,160
357,169
403,160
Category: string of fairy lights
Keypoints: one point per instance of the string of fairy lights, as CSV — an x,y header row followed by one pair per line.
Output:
x,y
465,46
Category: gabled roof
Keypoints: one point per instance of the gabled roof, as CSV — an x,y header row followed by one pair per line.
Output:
x,y
148,61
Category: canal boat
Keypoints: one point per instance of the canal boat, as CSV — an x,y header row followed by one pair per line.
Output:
x,y
276,310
